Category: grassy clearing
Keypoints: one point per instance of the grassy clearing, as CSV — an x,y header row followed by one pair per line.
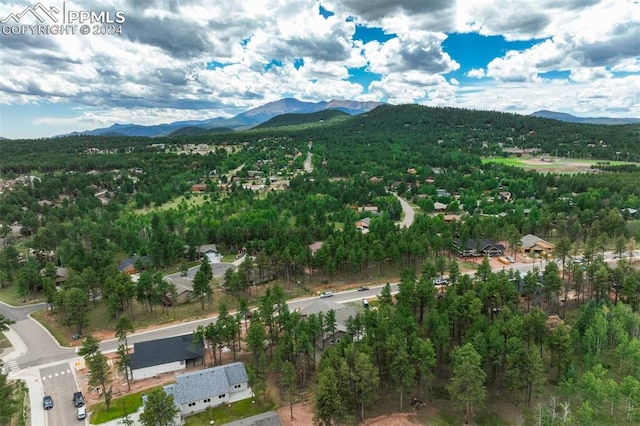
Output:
x,y
225,414
120,407
556,165
4,342
23,417
190,201
101,322
9,296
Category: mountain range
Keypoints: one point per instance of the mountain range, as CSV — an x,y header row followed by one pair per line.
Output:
x,y
262,116
561,116
245,120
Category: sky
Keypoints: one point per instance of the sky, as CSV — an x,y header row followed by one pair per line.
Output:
x,y
172,60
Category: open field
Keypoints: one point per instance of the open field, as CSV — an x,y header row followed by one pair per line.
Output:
x,y
550,164
192,200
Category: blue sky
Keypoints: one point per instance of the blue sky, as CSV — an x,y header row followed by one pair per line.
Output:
x,y
196,59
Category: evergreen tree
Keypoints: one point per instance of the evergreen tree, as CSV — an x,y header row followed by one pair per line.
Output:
x,y
159,410
468,377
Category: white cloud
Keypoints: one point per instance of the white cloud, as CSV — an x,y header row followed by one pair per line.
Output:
x,y
156,71
420,51
584,75
476,73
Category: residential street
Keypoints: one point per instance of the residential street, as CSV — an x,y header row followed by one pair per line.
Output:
x,y
35,350
407,210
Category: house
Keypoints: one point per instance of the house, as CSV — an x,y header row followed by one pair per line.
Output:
x,y
315,247
130,265
363,223
368,209
159,356
197,391
504,196
62,275
270,418
478,247
260,276
209,250
342,312
199,187
531,244
439,207
442,193
448,218
184,287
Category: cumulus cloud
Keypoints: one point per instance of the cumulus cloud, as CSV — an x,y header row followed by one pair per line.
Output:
x,y
419,51
476,73
266,49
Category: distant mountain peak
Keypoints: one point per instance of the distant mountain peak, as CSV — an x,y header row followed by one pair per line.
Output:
x,y
244,120
563,116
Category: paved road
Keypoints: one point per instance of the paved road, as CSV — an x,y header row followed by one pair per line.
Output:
x,y
308,166
18,313
59,382
409,213
37,347
218,270
41,347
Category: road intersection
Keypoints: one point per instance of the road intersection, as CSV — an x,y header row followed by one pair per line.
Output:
x,y
49,368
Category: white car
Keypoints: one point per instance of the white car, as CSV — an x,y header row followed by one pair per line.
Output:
x,y
326,294
82,413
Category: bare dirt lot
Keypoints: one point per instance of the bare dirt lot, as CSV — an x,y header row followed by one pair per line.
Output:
x,y
303,416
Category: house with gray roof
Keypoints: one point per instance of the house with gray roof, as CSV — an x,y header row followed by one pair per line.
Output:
x,y
343,313
159,356
270,418
197,391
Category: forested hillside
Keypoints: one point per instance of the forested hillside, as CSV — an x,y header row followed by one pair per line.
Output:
x,y
86,203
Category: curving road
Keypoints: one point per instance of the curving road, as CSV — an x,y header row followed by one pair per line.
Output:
x,y
408,213
308,165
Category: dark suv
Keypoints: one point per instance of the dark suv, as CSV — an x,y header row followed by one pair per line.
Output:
x,y
47,402
78,399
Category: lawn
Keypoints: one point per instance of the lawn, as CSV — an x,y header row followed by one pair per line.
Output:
x,y
550,164
9,296
127,404
229,413
100,320
4,342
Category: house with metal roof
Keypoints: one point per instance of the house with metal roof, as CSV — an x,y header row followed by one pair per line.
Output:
x,y
159,356
532,244
197,391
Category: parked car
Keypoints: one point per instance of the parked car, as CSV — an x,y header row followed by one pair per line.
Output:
x,y
326,294
78,399
47,402
511,259
440,281
82,413
363,288
365,303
